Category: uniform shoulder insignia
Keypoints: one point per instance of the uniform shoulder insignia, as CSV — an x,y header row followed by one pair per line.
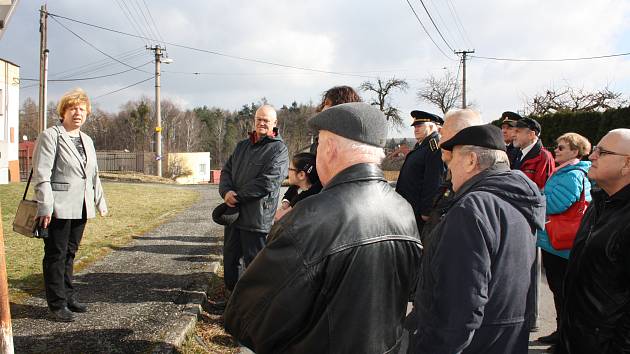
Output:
x,y
433,144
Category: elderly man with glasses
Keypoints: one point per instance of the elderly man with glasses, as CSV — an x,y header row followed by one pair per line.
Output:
x,y
596,314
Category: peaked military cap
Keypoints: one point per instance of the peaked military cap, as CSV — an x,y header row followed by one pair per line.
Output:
x,y
510,118
530,123
420,117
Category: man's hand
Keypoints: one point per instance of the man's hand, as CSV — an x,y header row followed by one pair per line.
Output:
x,y
44,220
425,218
230,199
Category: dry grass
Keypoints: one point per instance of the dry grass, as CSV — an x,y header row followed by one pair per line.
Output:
x,y
209,335
134,210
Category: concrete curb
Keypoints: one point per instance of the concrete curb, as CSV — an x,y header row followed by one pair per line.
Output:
x,y
185,324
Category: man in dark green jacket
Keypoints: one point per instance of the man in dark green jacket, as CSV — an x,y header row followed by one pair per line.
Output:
x,y
250,180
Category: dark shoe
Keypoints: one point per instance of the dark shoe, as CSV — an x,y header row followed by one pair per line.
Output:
x,y
76,306
550,339
551,349
63,315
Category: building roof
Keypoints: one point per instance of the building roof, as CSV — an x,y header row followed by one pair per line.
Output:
x,y
12,63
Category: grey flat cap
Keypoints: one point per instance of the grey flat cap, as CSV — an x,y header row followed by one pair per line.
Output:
x,y
356,121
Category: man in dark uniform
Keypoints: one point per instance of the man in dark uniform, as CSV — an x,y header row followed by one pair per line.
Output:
x,y
423,169
508,125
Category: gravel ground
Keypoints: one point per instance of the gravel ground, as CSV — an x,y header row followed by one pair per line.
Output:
x,y
138,295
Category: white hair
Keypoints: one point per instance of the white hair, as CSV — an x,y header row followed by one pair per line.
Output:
x,y
486,158
359,150
462,118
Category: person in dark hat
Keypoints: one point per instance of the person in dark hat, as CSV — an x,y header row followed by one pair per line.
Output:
x,y
475,272
423,170
508,125
338,270
536,162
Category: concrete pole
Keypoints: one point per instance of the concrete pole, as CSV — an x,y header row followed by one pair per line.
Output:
x,y
158,113
6,340
43,67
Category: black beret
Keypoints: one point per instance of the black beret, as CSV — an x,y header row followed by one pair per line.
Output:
x,y
225,215
510,118
487,135
424,117
530,123
356,121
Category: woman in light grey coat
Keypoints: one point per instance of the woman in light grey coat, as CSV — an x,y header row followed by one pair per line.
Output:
x,y
68,192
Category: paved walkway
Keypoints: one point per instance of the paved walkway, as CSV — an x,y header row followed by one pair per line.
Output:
x,y
138,296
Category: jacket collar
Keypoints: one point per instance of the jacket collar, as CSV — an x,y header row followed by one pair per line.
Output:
x,y
470,184
358,172
425,141
622,196
534,151
253,137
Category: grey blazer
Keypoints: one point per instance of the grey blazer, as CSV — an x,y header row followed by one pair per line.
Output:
x,y
62,187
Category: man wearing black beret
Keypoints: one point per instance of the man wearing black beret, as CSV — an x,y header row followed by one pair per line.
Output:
x,y
423,170
338,270
476,271
508,125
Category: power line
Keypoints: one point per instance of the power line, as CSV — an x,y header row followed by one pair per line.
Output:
x,y
90,78
148,27
93,46
124,88
436,27
259,61
554,59
458,23
153,21
125,10
442,22
90,68
426,31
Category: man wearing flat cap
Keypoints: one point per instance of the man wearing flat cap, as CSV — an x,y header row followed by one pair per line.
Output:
x,y
423,170
476,271
536,162
508,128
338,270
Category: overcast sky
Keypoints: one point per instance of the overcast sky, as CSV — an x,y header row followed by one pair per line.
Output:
x,y
362,38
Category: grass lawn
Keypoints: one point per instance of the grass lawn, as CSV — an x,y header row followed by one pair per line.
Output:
x,y
133,210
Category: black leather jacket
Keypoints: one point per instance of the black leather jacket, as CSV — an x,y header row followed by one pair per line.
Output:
x,y
336,274
596,313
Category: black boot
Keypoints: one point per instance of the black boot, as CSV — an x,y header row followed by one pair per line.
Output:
x,y
63,315
76,306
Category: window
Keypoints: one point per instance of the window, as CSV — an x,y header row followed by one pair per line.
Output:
x,y
202,168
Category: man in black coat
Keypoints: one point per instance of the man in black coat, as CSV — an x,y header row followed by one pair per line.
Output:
x,y
338,270
508,128
596,314
423,170
250,180
476,271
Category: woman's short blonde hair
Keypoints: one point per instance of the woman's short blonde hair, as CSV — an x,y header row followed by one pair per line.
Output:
x,y
72,98
576,142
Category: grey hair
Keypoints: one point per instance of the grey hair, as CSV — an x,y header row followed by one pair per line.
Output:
x,y
487,158
372,153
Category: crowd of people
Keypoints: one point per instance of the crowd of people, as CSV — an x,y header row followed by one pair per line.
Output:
x,y
332,265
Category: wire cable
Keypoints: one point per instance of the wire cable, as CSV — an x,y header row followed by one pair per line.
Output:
x,y
458,23
552,60
90,78
125,10
123,88
436,27
93,46
426,31
157,29
212,51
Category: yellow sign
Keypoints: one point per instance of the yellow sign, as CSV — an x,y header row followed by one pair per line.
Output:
x,y
158,129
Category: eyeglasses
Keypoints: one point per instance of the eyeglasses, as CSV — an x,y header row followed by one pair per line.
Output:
x,y
599,151
293,169
560,147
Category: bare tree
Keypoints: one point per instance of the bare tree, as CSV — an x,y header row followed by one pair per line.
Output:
x,y
443,92
383,90
569,99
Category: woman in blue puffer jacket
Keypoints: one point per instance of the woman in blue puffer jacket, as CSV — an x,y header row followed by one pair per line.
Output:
x,y
563,188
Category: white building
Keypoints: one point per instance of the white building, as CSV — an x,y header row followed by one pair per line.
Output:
x,y
190,167
9,122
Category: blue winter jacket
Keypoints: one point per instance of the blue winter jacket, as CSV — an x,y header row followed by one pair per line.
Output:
x,y
563,189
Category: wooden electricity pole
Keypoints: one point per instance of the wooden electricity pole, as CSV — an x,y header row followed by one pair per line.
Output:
x,y
6,341
43,67
464,53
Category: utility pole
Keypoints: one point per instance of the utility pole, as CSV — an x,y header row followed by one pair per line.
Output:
x,y
159,53
43,67
6,339
464,53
